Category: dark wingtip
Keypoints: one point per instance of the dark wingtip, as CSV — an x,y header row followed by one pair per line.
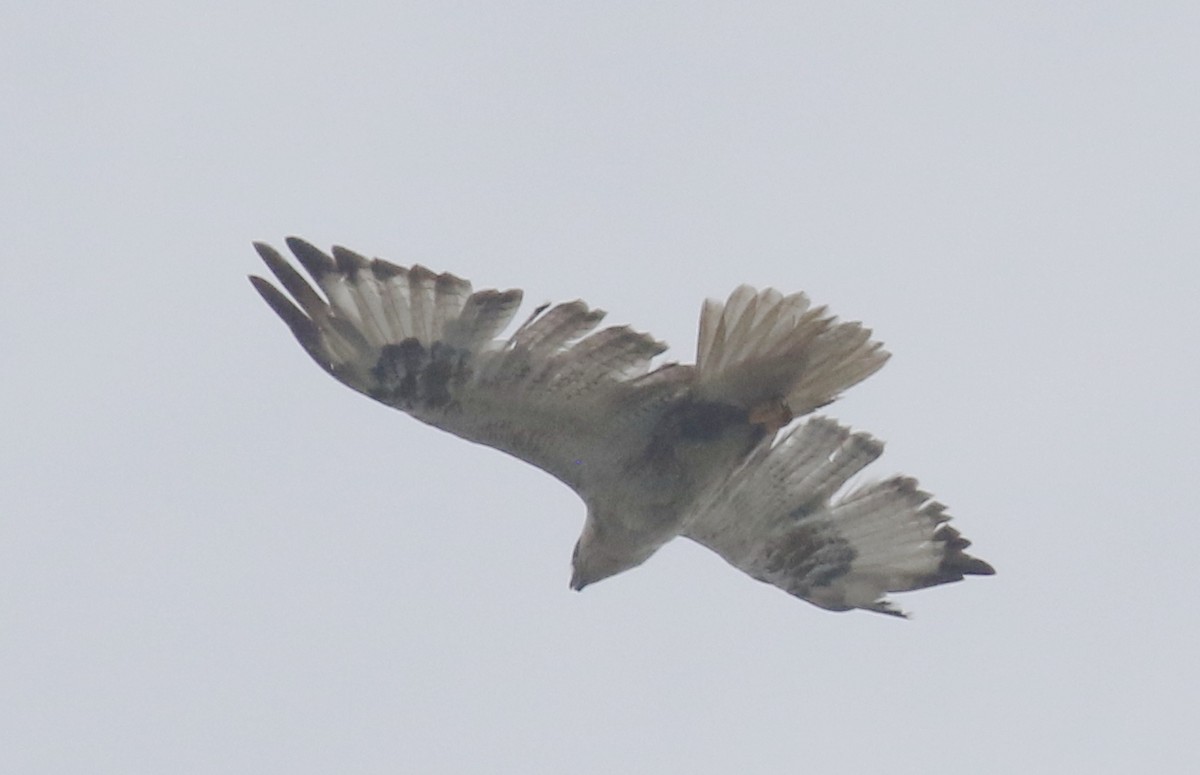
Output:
x,y
299,243
386,270
419,274
449,282
957,560
313,259
302,327
283,306
347,261
973,566
291,280
270,256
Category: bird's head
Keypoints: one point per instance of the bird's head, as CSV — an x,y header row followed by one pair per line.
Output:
x,y
604,550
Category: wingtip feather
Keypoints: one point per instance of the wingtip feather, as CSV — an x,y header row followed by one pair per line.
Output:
x,y
349,262
304,294
302,326
315,261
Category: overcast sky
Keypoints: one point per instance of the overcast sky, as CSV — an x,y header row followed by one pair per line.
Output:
x,y
214,558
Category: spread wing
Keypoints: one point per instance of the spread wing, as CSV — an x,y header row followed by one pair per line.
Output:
x,y
775,519
575,403
426,343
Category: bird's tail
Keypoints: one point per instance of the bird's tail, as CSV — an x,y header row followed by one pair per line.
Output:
x,y
761,347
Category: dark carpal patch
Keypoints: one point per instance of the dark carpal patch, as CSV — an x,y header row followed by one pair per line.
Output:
x,y
399,367
808,556
445,364
409,374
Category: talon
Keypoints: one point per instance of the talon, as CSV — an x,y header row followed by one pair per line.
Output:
x,y
772,415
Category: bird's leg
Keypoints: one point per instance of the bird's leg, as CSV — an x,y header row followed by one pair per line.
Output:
x,y
771,414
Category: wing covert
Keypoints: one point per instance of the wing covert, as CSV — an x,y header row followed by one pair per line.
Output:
x,y
425,343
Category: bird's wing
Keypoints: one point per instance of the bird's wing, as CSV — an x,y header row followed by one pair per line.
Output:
x,y
775,519
426,343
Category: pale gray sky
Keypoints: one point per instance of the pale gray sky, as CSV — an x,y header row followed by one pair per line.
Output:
x,y
214,558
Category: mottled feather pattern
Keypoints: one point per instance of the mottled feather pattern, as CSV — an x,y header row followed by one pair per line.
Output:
x,y
691,450
776,519
371,304
425,343
773,485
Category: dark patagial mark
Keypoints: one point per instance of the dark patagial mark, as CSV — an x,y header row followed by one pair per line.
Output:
x,y
807,556
409,374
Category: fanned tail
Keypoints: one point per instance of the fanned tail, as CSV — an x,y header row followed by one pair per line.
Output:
x,y
761,348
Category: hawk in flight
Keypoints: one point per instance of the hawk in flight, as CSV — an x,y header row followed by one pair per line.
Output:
x,y
705,450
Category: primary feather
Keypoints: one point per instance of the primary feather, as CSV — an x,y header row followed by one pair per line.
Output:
x,y
701,451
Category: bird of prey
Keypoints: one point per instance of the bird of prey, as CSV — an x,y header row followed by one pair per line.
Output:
x,y
707,450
